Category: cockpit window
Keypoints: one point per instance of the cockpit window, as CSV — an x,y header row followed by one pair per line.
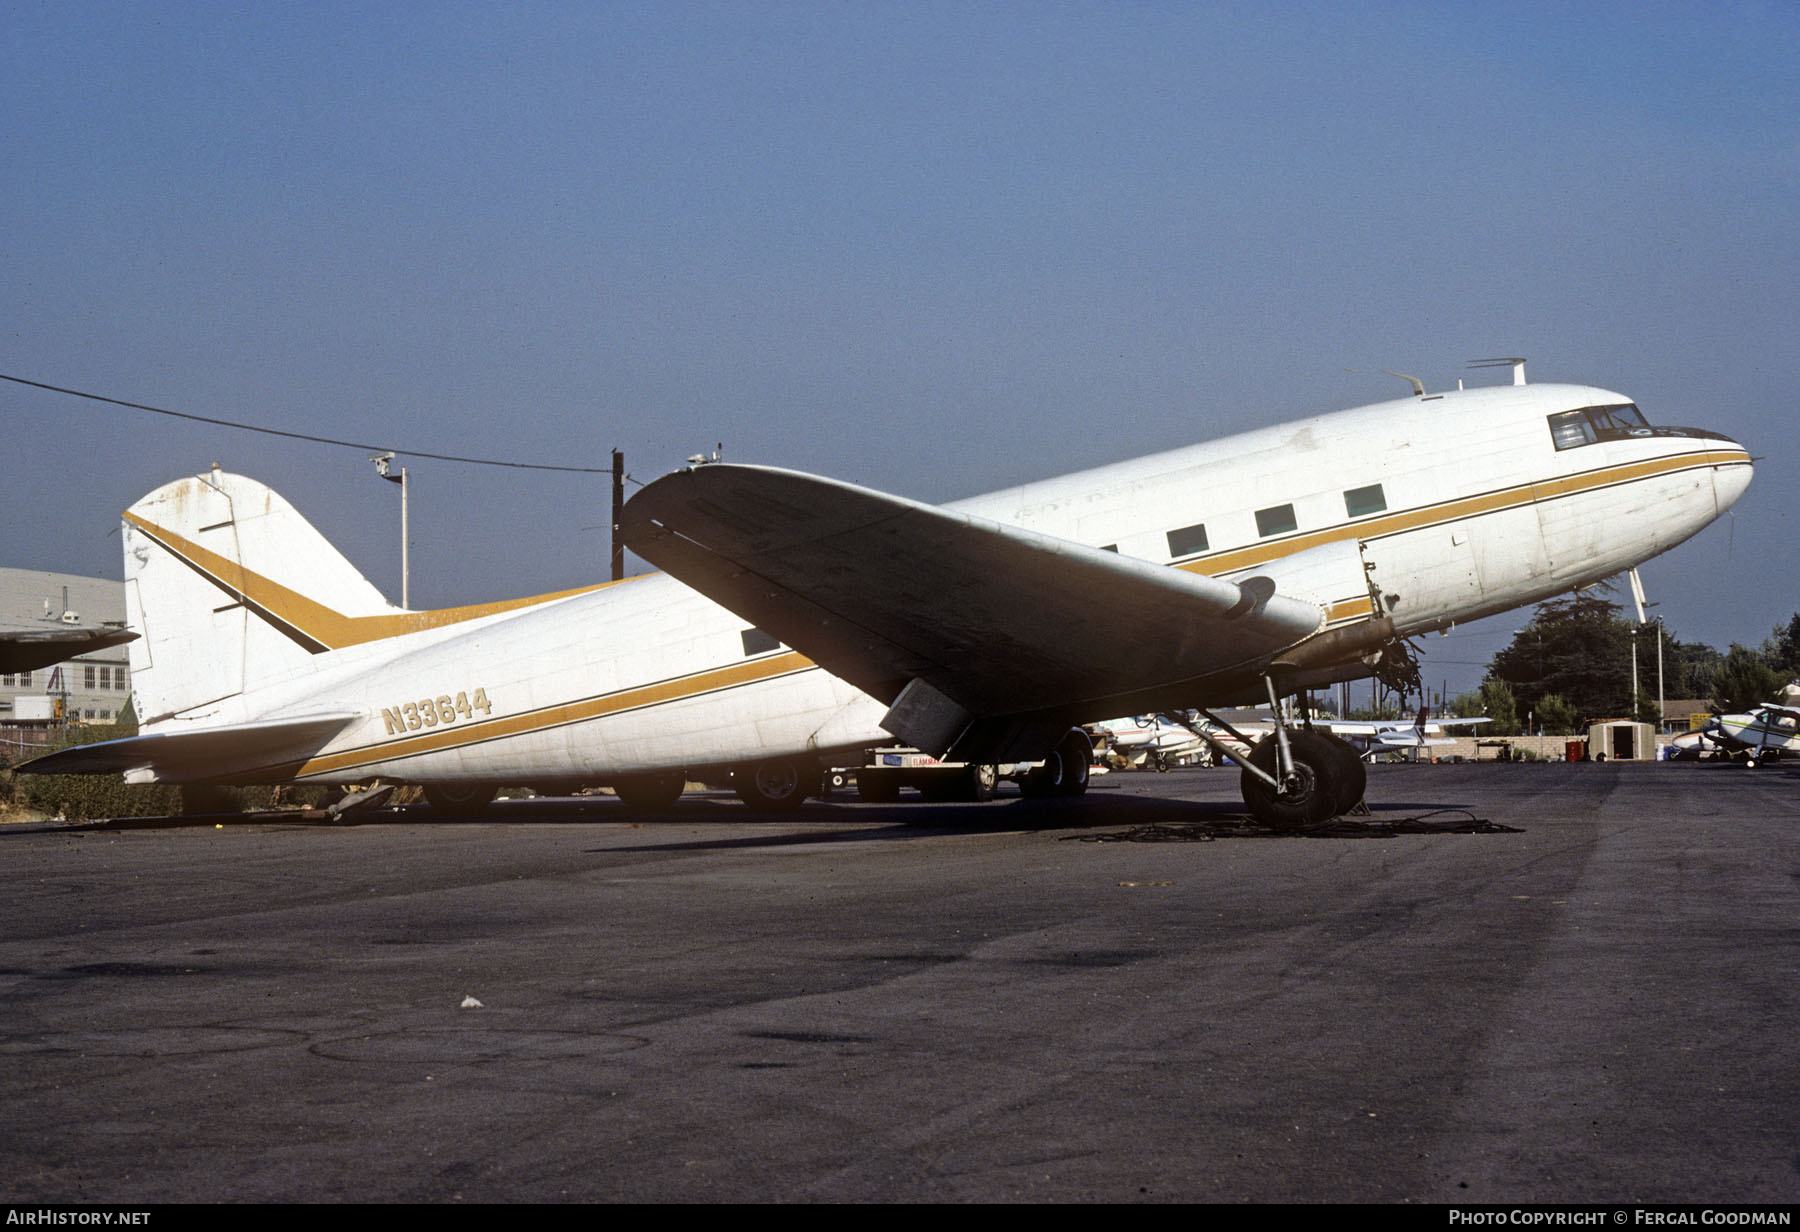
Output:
x,y
1573,429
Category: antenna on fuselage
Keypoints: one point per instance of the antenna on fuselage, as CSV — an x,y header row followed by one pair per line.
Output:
x,y
1417,384
1515,362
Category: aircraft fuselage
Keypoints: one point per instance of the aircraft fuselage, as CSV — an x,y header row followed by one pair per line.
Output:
x,y
1420,513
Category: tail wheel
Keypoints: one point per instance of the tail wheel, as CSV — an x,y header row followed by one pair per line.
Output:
x,y
1310,798
460,799
650,793
779,785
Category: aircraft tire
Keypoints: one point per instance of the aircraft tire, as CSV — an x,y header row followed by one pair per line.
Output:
x,y
650,793
1354,781
1076,751
979,783
460,799
1315,799
1065,771
779,785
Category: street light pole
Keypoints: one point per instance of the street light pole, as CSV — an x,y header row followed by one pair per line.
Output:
x,y
381,461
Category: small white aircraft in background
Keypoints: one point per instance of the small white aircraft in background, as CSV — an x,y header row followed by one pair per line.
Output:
x,y
1700,744
1764,734
1767,733
1379,736
1152,742
824,619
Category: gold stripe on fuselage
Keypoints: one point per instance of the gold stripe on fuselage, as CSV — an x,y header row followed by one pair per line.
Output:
x,y
662,692
1459,508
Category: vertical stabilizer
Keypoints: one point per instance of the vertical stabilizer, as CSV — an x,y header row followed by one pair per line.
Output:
x,y
229,588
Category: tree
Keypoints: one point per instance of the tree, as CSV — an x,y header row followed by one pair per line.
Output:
x,y
1555,717
1782,650
1575,648
1467,706
1745,681
1689,668
1498,703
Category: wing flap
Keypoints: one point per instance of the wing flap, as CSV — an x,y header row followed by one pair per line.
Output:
x,y
207,753
880,590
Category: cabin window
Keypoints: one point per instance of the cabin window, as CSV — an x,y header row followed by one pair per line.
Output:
x,y
1361,502
1276,521
1188,540
757,642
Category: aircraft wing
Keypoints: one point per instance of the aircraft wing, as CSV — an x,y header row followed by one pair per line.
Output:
x,y
26,650
206,753
880,591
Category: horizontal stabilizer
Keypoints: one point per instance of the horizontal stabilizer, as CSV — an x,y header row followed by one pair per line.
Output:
x,y
880,590
195,756
26,650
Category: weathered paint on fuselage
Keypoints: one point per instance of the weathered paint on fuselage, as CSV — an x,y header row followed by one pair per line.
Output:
x,y
1482,514
1479,514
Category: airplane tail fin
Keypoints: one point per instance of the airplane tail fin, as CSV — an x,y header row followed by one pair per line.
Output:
x,y
230,587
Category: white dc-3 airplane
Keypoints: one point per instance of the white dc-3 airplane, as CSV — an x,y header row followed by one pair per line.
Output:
x,y
801,619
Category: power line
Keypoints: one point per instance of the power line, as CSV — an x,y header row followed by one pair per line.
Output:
x,y
302,436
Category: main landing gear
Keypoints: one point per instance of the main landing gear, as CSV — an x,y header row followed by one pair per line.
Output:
x,y
1294,777
1325,778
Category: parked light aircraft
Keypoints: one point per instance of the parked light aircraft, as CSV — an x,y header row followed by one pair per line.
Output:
x,y
1383,736
1699,744
986,630
1149,741
1764,734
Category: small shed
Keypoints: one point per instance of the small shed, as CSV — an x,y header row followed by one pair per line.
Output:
x,y
1622,740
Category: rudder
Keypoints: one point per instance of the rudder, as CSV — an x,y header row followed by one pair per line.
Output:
x,y
229,588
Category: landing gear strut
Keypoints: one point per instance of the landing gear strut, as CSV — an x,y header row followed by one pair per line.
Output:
x,y
1297,778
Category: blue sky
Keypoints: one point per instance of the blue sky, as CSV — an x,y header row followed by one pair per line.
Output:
x,y
932,248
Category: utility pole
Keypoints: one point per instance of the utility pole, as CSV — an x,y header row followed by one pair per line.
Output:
x,y
618,514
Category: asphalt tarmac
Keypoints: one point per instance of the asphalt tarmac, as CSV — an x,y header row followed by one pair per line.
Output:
x,y
1510,984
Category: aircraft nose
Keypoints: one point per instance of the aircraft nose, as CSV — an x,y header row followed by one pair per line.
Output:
x,y
1730,481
